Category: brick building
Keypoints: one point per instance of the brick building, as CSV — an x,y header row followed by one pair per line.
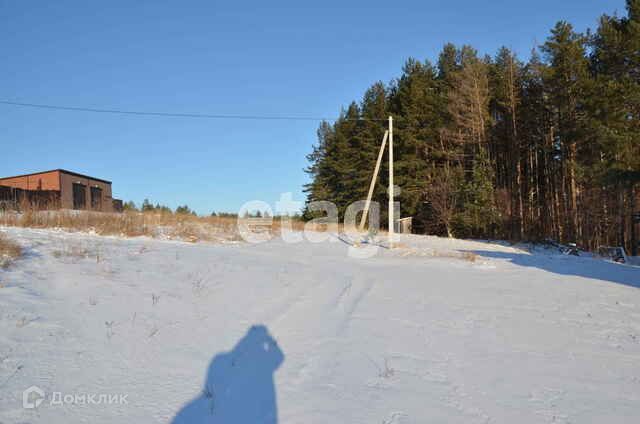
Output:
x,y
63,189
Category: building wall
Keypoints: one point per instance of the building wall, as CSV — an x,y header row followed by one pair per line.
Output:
x,y
44,181
66,191
61,181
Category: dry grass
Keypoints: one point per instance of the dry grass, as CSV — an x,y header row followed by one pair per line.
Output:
x,y
469,256
9,251
133,224
128,224
75,251
434,253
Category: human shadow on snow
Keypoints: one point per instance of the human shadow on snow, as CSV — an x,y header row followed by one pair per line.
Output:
x,y
571,265
239,386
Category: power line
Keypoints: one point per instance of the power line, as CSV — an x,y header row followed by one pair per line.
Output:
x,y
177,115
163,114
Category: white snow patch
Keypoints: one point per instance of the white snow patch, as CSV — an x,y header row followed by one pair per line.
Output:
x,y
518,335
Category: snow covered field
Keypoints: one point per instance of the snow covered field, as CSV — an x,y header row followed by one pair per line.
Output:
x,y
303,333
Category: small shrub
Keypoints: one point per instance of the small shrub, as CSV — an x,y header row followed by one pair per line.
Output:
x,y
9,251
469,256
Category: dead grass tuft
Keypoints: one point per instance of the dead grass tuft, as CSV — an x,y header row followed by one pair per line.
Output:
x,y
434,253
75,251
9,251
469,256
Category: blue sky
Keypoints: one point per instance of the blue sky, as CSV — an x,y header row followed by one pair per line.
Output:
x,y
231,57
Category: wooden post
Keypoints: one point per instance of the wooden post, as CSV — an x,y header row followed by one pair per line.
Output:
x,y
391,190
635,220
373,181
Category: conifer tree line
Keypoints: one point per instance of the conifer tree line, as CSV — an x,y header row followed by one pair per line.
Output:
x,y
495,147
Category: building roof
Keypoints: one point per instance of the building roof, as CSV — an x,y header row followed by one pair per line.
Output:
x,y
58,170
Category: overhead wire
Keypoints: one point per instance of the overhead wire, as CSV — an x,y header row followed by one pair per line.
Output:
x,y
179,114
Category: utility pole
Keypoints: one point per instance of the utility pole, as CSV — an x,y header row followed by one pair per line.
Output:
x,y
363,220
391,188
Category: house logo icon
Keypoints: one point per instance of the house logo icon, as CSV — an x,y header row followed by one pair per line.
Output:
x,y
32,397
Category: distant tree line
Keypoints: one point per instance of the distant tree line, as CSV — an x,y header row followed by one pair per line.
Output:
x,y
495,147
224,214
147,206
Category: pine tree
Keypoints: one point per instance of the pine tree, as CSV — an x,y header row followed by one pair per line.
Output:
x,y
565,86
147,206
448,63
318,189
417,100
478,215
614,108
541,160
130,206
505,144
494,147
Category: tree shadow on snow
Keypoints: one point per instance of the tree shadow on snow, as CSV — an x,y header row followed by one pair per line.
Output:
x,y
239,386
571,265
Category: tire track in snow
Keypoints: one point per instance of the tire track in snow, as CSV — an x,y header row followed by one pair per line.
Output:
x,y
349,303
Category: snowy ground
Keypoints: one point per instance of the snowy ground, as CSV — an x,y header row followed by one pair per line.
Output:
x,y
403,337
